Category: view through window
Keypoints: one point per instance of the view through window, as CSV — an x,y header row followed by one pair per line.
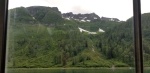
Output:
x,y
70,36
145,33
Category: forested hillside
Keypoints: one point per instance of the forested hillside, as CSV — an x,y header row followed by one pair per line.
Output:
x,y
41,37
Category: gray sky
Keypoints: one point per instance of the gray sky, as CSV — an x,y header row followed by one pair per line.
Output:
x,y
121,9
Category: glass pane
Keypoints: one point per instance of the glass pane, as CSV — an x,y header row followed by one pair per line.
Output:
x,y
70,36
146,34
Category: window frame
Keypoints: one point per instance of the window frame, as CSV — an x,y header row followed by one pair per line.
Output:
x,y
137,35
3,30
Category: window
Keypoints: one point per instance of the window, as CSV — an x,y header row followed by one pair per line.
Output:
x,y
38,37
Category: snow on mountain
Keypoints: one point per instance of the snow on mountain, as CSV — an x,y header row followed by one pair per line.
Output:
x,y
67,18
87,17
81,17
95,17
83,30
100,30
88,20
83,20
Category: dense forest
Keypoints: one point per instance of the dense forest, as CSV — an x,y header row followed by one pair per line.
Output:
x,y
39,37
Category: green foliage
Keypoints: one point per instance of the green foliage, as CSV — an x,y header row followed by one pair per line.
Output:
x,y
51,41
21,15
52,18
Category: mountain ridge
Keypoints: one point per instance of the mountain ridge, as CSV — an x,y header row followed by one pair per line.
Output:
x,y
34,10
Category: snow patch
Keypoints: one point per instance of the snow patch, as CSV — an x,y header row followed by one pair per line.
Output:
x,y
67,18
111,19
100,30
33,18
84,18
82,30
77,19
95,17
83,21
88,20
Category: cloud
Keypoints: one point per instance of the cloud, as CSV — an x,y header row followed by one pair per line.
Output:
x,y
79,9
121,9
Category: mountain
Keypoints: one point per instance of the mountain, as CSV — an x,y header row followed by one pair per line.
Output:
x,y
21,14
91,17
118,42
43,37
81,17
46,15
110,19
51,16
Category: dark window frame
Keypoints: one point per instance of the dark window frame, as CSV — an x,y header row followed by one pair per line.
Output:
x,y
137,35
3,30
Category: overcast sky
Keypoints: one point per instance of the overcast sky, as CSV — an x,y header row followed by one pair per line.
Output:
x,y
121,9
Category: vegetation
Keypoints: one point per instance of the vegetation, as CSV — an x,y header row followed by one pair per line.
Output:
x,y
45,39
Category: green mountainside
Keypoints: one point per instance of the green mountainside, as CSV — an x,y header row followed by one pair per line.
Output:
x,y
39,37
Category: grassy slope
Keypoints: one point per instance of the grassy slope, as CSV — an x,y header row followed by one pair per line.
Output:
x,y
24,53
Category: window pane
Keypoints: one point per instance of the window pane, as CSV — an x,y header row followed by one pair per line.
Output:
x,y
145,33
70,36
